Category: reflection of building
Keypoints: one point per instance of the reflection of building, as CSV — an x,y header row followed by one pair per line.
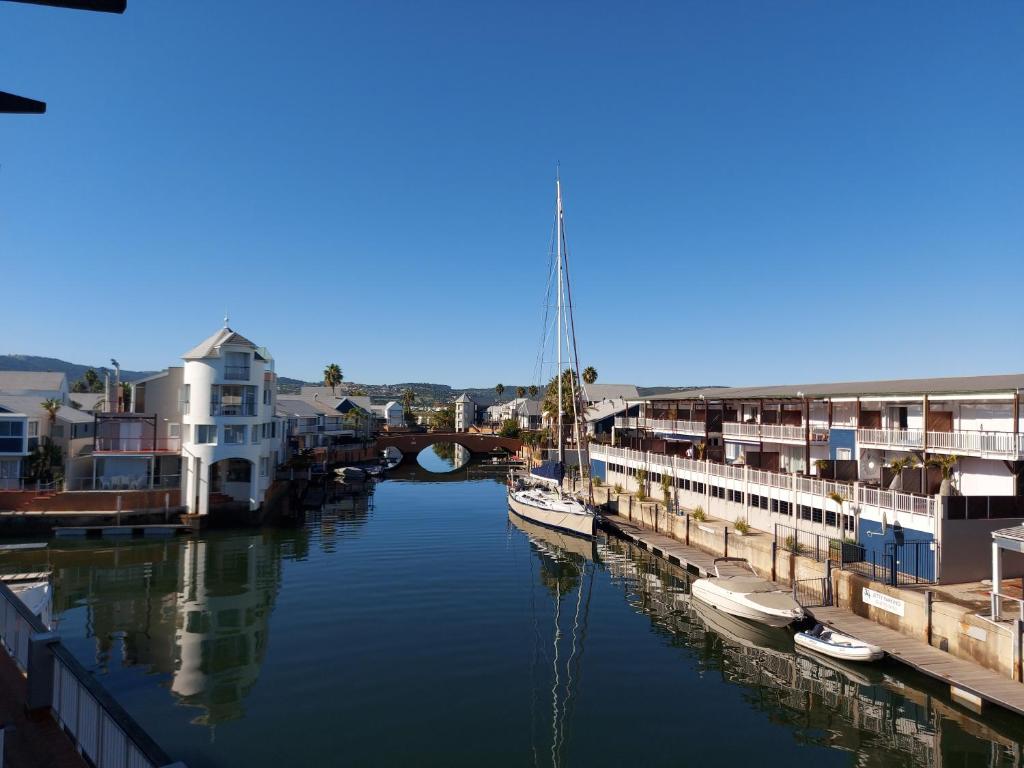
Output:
x,y
460,456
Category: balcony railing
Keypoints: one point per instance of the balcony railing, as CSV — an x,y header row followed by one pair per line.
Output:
x,y
703,470
236,372
675,426
741,429
891,438
137,445
232,409
783,432
962,442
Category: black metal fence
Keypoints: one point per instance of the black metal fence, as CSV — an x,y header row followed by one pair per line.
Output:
x,y
895,563
807,543
813,592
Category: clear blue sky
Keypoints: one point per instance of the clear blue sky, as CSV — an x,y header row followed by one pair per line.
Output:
x,y
756,192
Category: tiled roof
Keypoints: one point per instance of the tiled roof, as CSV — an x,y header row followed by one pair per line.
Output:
x,y
208,347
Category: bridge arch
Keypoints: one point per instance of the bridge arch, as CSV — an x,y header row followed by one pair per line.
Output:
x,y
411,443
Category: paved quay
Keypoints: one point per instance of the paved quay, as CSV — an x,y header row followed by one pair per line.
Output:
x,y
972,678
671,549
30,741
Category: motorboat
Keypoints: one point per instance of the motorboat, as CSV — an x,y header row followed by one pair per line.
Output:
x,y
736,589
351,474
739,631
828,642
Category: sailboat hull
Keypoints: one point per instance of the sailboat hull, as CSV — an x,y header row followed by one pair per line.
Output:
x,y
581,525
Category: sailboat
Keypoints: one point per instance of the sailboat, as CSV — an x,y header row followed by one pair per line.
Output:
x,y
538,496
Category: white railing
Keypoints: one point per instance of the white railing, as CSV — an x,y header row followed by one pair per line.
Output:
x,y
1003,444
895,438
679,426
738,429
626,422
782,432
892,500
16,627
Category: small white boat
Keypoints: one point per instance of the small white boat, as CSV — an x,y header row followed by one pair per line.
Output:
x,y
828,642
747,595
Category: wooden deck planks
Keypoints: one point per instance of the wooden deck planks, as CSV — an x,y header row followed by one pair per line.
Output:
x,y
989,685
665,546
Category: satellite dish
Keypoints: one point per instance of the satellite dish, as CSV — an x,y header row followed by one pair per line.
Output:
x,y
885,523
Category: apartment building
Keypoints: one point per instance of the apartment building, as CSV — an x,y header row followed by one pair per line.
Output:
x,y
773,455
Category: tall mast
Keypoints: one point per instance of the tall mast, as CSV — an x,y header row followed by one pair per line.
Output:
x,y
558,335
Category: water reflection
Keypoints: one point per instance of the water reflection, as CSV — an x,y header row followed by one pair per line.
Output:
x,y
443,457
566,577
881,713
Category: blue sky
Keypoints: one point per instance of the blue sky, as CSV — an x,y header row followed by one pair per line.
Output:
x,y
755,192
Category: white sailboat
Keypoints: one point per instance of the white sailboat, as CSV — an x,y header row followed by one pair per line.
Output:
x,y
538,496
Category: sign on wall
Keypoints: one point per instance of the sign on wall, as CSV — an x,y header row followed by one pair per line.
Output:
x,y
883,601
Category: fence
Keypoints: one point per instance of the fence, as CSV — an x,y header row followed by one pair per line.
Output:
x,y
813,592
896,564
99,727
807,543
984,507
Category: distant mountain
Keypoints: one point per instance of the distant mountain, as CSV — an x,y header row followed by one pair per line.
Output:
x,y
426,393
73,371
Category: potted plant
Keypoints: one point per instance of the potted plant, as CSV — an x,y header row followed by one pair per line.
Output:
x,y
945,465
897,466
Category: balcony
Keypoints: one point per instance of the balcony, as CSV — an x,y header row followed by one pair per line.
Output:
x,y
1001,445
232,409
741,429
137,445
674,426
897,439
751,430
237,372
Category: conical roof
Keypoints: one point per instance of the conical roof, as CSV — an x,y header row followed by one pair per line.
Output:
x,y
210,347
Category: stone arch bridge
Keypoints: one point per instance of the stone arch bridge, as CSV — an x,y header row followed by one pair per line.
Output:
x,y
411,443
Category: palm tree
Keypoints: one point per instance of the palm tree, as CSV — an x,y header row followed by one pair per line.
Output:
x,y
520,392
533,390
589,374
498,389
332,377
897,466
408,398
946,464
51,406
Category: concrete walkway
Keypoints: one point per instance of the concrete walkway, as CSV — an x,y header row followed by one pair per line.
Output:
x,y
972,678
30,741
672,550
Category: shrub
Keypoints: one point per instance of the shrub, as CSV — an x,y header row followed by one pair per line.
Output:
x,y
790,544
698,514
618,489
598,481
742,526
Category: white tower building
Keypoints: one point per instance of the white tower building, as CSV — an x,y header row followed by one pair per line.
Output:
x,y
229,442
465,412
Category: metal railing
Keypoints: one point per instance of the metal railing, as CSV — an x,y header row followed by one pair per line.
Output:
x,y
125,483
898,563
233,409
137,445
808,543
1001,444
810,593
237,372
861,495
896,438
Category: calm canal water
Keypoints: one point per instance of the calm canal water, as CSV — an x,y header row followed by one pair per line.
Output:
x,y
429,628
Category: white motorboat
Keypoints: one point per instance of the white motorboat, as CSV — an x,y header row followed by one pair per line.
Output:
x,y
747,595
828,642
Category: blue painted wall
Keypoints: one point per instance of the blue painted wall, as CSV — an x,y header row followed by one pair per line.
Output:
x,y
598,469
870,537
842,438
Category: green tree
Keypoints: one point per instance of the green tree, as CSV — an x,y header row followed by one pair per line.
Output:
x,y
51,406
41,462
92,381
945,465
590,374
443,420
408,398
332,377
520,392
499,389
509,428
533,390
549,406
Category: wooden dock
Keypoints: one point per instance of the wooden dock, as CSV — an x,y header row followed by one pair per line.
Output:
x,y
155,529
690,558
968,681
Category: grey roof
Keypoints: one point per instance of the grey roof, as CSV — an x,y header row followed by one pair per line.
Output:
x,y
89,401
527,407
32,406
73,415
32,381
464,398
949,385
298,407
1016,532
595,392
605,408
211,347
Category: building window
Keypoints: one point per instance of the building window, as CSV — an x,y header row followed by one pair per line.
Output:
x,y
57,430
236,366
33,429
264,466
186,397
843,454
233,400
174,430
206,433
255,433
234,434
266,395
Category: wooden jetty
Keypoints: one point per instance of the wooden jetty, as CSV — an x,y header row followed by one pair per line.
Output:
x,y
690,558
969,682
